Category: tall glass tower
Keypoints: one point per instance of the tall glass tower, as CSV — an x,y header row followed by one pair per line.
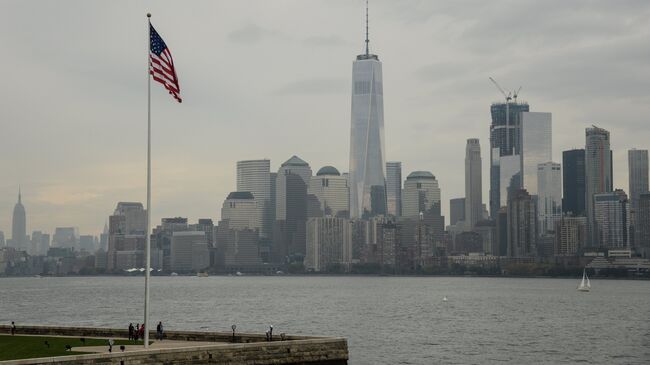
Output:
x,y
367,174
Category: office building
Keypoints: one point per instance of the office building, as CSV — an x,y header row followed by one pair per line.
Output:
x,y
598,174
294,166
331,191
239,249
473,184
240,209
642,239
254,176
367,153
536,146
420,193
570,235
521,218
66,237
612,220
510,173
638,175
573,182
329,244
505,134
456,210
549,196
189,252
394,188
136,216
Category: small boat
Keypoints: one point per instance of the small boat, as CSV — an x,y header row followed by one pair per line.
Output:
x,y
585,284
444,299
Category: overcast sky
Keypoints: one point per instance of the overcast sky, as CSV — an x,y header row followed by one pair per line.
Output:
x,y
269,79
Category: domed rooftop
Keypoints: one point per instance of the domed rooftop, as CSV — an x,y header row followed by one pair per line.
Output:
x,y
295,161
328,170
421,175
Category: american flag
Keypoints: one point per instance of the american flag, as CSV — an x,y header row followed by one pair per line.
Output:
x,y
161,64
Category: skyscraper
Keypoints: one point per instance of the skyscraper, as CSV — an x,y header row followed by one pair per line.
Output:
x,y
420,194
521,224
549,193
638,175
598,174
329,243
612,219
570,235
536,146
331,190
293,166
456,210
573,182
240,209
367,178
254,176
505,137
642,239
394,188
19,225
473,184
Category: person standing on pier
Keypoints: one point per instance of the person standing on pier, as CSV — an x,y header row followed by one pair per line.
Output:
x,y
131,331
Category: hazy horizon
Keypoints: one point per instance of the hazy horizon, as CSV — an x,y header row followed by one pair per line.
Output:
x,y
269,80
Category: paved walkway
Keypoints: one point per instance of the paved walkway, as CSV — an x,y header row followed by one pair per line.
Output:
x,y
166,344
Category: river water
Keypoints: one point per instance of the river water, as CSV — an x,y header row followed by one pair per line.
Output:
x,y
387,320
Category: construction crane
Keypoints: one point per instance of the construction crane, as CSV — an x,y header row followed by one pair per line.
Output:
x,y
515,94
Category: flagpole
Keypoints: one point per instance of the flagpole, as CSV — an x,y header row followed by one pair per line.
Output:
x,y
147,250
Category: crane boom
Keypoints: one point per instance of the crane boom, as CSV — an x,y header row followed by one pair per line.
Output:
x,y
507,96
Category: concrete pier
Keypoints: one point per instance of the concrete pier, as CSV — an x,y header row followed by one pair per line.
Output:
x,y
188,347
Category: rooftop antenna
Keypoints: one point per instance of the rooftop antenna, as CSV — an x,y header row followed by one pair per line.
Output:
x,y
367,40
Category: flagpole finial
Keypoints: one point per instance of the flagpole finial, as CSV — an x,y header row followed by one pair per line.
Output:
x,y
148,15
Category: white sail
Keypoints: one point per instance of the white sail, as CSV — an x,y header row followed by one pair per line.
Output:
x,y
585,285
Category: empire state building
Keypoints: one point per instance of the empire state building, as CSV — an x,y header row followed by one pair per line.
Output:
x,y
367,160
18,227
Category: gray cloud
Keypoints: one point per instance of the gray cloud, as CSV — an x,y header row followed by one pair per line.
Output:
x,y
315,87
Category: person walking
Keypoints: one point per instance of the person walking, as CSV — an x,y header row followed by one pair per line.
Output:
x,y
131,331
13,328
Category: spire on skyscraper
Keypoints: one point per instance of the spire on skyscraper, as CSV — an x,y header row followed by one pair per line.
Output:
x,y
367,39
19,197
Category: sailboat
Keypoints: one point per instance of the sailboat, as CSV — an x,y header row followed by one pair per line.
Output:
x,y
585,285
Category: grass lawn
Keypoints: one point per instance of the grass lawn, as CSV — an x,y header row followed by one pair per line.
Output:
x,y
26,347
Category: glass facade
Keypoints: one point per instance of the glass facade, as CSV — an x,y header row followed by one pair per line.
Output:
x,y
394,188
367,176
573,180
504,141
536,146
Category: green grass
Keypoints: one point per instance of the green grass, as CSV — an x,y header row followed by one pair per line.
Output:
x,y
27,347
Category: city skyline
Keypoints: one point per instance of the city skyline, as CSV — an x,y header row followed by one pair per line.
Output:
x,y
424,100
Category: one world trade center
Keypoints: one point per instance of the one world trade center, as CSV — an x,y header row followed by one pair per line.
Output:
x,y
367,160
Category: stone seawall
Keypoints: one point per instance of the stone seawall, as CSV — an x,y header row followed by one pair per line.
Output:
x,y
252,349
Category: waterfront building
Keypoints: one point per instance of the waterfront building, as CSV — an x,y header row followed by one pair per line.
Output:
x,y
570,235
536,146
254,176
612,219
189,252
394,188
162,237
549,196
126,232
329,244
642,240
522,232
239,249
487,229
367,153
19,225
240,209
331,190
598,175
573,182
473,184
420,193
505,134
